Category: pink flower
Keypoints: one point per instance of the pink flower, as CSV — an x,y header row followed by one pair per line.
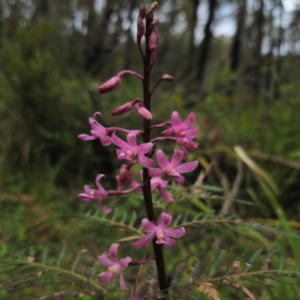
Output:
x,y
130,149
98,131
160,184
163,235
126,176
113,82
114,265
172,168
181,129
92,195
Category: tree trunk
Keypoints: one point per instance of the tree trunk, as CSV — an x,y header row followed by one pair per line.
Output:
x,y
236,41
204,47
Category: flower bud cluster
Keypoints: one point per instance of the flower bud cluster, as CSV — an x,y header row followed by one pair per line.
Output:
x,y
131,152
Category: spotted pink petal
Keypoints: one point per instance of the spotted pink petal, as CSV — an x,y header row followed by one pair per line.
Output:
x,y
144,241
122,281
179,178
113,252
168,131
145,148
189,121
176,158
191,133
148,226
86,137
145,161
156,172
124,262
105,210
169,243
175,119
164,194
162,159
119,142
187,167
131,138
106,277
105,140
164,221
175,233
105,261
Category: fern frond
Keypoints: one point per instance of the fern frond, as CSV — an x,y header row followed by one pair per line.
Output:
x,y
216,264
62,254
29,272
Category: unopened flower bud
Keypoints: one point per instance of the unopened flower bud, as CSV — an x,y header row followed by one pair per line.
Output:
x,y
125,107
153,39
143,111
152,8
140,28
167,77
109,85
122,109
142,11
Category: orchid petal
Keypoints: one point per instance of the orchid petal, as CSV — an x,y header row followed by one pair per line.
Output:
x,y
122,281
131,138
191,133
148,226
179,178
175,119
105,210
164,194
189,121
145,161
144,241
175,233
105,261
176,158
124,262
86,197
164,221
86,137
156,172
113,252
169,242
145,148
162,159
106,277
187,167
119,142
105,140
168,131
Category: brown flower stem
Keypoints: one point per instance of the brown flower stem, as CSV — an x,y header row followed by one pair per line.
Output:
x,y
159,258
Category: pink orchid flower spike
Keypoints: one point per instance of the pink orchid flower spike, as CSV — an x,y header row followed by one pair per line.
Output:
x,y
92,195
98,131
173,168
114,265
181,129
130,149
163,236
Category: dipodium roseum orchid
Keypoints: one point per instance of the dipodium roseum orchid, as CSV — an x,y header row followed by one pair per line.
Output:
x,y
160,184
181,129
115,266
172,168
159,231
130,149
92,195
98,131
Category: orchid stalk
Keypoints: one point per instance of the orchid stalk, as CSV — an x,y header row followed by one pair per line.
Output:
x,y
131,153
